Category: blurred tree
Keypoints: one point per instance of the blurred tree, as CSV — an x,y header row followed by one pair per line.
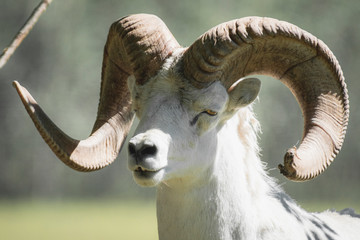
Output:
x,y
60,62
23,32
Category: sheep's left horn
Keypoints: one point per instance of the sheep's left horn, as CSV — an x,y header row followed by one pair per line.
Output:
x,y
137,45
302,62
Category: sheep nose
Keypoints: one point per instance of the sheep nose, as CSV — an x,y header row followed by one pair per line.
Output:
x,y
142,150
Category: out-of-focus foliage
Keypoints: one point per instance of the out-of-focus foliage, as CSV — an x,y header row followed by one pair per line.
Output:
x,y
60,63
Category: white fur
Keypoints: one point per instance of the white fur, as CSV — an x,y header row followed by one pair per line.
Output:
x,y
210,181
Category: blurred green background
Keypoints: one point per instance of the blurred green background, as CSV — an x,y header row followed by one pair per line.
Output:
x,y
60,63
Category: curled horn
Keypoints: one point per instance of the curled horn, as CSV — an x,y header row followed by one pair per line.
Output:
x,y
136,45
302,62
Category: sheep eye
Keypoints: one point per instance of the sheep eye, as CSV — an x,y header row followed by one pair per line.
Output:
x,y
210,112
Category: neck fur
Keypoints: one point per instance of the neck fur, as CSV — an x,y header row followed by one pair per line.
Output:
x,y
237,200
236,183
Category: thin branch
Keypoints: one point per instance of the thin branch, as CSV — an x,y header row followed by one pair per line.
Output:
x,y
24,31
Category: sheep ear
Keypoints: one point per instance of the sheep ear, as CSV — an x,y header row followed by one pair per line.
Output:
x,y
243,92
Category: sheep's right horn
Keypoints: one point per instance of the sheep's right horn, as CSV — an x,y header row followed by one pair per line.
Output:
x,y
137,45
302,62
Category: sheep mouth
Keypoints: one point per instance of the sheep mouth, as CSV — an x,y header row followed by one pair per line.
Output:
x,y
145,172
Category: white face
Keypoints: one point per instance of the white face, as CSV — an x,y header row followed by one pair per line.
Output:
x,y
176,137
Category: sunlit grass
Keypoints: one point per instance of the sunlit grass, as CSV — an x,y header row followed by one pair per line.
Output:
x,y
78,220
93,219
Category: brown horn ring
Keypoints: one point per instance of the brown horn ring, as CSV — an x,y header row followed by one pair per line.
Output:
x,y
302,62
137,45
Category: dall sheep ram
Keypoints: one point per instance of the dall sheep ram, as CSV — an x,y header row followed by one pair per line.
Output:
x,y
197,136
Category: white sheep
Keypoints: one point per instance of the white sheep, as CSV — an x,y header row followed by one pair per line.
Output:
x,y
197,136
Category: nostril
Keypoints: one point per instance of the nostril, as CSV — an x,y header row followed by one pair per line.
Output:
x,y
132,149
148,150
145,150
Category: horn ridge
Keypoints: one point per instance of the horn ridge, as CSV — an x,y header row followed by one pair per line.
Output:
x,y
267,46
136,45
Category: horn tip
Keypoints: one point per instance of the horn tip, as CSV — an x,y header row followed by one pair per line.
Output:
x,y
16,84
289,168
25,97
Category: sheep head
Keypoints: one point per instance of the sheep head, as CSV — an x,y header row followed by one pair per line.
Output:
x,y
142,59
176,139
